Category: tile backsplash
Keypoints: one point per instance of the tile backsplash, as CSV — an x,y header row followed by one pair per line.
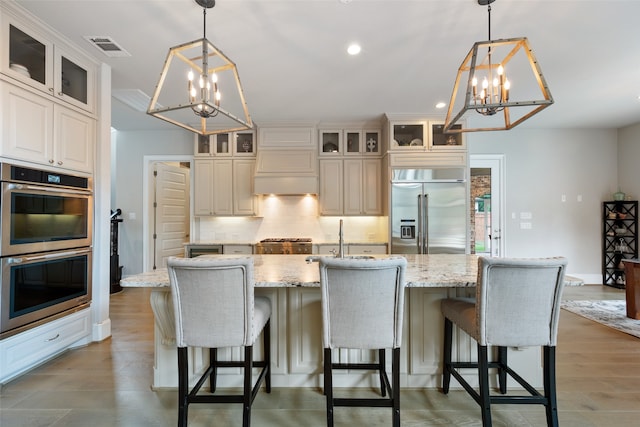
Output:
x,y
290,216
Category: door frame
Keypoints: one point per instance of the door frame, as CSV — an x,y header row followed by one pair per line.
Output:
x,y
147,205
497,164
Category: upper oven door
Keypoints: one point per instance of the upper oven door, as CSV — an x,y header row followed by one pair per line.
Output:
x,y
39,218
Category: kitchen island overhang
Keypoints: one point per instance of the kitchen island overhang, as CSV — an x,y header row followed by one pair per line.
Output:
x,y
293,285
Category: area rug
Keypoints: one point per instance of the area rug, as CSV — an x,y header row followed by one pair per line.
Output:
x,y
611,313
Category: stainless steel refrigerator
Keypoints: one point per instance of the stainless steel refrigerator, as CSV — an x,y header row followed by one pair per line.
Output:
x,y
429,211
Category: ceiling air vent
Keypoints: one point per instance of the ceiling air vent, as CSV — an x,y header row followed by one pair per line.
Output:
x,y
107,46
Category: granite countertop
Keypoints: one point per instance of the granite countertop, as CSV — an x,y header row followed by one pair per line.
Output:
x,y
278,271
293,271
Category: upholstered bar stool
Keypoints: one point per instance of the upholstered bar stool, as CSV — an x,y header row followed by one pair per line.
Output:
x,y
517,304
215,307
362,308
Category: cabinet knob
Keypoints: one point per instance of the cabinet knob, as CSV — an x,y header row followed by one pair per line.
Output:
x,y
59,163
60,93
51,89
51,161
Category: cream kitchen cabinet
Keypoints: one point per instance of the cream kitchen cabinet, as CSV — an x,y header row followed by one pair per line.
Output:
x,y
350,187
408,133
237,249
21,352
331,187
38,130
362,142
223,187
244,200
226,144
37,59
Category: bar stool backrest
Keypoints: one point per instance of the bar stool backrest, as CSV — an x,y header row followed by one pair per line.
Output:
x,y
362,302
213,301
518,301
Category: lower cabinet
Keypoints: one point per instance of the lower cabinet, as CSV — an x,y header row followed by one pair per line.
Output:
x,y
239,249
21,352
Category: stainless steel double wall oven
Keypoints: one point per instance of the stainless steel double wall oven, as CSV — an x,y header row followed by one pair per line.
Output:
x,y
46,246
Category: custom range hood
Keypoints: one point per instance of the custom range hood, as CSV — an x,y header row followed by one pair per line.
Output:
x,y
286,172
287,162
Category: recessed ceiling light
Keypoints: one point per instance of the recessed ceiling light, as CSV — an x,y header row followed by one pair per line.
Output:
x,y
440,105
354,49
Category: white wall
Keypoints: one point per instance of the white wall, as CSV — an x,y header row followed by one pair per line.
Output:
x,y
543,165
629,160
131,147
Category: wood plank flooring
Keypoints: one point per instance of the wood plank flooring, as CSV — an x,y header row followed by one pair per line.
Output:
x,y
108,384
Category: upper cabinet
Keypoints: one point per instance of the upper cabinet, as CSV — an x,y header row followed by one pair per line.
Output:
x,y
33,59
38,130
226,144
362,142
409,134
351,141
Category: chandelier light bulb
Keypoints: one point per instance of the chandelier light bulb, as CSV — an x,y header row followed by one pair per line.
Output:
x,y
485,84
214,78
500,70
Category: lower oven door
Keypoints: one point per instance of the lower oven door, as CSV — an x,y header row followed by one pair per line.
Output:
x,y
38,286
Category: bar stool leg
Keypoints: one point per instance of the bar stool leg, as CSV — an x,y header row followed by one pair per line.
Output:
x,y
246,403
549,356
328,386
382,362
213,362
446,368
483,378
183,386
502,370
395,373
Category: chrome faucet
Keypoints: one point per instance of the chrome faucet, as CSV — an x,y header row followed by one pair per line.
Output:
x,y
340,253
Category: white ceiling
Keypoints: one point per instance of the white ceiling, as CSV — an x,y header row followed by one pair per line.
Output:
x,y
291,54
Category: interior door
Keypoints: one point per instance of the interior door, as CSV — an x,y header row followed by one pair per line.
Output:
x,y
488,198
171,212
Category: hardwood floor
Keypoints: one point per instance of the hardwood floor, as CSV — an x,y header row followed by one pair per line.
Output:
x,y
107,384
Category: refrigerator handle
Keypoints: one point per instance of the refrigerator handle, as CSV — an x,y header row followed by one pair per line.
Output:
x,y
419,237
425,230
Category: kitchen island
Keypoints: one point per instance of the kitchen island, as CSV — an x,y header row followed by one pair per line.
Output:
x,y
292,284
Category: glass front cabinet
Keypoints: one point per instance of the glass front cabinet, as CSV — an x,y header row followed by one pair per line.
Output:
x,y
225,144
423,135
31,58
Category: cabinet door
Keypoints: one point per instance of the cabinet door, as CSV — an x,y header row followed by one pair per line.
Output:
x,y
26,55
330,142
202,187
438,140
74,139
244,143
237,249
352,187
223,187
74,79
372,187
244,201
27,125
331,187
408,135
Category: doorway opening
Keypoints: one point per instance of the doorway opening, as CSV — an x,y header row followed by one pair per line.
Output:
x,y
487,204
